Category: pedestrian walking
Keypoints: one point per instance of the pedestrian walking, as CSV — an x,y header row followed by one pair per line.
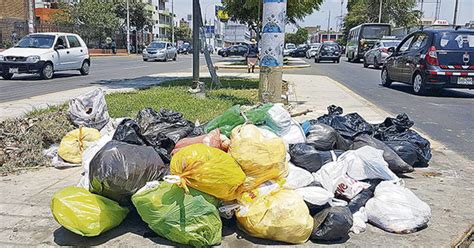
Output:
x,y
252,56
114,47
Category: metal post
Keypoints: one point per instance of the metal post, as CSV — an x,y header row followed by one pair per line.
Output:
x,y
455,12
128,27
271,56
31,16
380,12
196,43
172,21
329,21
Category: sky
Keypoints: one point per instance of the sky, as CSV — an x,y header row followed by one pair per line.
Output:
x,y
465,11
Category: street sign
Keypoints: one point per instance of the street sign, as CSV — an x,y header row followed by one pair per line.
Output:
x,y
221,14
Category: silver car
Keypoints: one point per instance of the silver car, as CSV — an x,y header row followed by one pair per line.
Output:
x,y
160,50
377,55
312,51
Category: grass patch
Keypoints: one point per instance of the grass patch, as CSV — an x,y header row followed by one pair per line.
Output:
x,y
244,62
173,95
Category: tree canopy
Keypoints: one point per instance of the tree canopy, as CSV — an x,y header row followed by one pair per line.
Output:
x,y
300,37
140,17
183,33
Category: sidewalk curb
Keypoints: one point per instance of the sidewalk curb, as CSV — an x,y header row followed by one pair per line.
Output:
x,y
243,67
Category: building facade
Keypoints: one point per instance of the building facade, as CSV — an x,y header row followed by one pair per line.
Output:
x,y
236,33
13,21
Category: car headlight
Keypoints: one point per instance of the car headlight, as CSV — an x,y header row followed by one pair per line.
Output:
x,y
33,59
2,58
144,51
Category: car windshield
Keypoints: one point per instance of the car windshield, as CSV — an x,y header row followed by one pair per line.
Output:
x,y
290,46
454,41
36,41
331,47
158,45
390,43
375,32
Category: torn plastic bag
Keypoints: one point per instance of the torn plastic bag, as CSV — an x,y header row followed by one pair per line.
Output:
x,y
398,129
84,213
325,138
332,224
297,177
119,169
261,158
75,142
395,163
307,157
359,220
273,213
318,198
212,139
89,110
232,117
163,129
189,219
395,208
349,125
207,169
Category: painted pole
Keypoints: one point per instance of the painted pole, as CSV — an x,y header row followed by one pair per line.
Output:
x,y
271,55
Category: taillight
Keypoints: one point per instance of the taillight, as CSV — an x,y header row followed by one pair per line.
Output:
x,y
432,56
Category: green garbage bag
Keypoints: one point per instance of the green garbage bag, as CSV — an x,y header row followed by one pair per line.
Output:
x,y
232,118
190,219
84,213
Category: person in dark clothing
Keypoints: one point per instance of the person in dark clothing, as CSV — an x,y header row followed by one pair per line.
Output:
x,y
252,56
114,47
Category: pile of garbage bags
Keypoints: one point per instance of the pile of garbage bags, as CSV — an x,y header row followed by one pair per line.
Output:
x,y
278,179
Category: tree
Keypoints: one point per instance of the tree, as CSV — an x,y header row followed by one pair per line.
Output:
x,y
250,11
300,37
140,17
183,33
395,12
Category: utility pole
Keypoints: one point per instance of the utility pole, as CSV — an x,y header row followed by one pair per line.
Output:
x,y
380,12
455,12
31,16
172,22
196,42
128,27
329,21
271,56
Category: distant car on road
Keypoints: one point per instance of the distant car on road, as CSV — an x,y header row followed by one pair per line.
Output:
x,y
312,50
328,51
377,55
363,37
300,51
45,53
235,50
160,50
288,48
185,48
432,59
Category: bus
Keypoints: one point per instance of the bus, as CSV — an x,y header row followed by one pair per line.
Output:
x,y
363,37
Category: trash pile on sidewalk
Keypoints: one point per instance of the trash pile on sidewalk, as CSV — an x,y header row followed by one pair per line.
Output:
x,y
279,179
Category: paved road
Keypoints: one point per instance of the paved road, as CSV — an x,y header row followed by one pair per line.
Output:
x,y
448,118
102,68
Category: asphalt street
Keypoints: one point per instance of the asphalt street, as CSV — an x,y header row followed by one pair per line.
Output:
x,y
102,69
447,117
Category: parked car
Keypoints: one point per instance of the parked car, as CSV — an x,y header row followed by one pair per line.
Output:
x,y
185,48
312,50
160,50
432,59
288,48
328,51
235,50
45,53
300,51
377,55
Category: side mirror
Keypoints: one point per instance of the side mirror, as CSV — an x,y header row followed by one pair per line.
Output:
x,y
59,47
391,50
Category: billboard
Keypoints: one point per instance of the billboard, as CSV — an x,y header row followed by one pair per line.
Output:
x,y
221,14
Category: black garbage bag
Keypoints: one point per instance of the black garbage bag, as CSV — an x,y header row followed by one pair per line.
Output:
x,y
304,155
325,138
163,129
348,126
395,163
119,169
360,199
128,131
332,224
395,131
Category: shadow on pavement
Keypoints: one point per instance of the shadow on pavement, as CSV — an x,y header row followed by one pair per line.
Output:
x,y
35,77
138,83
443,93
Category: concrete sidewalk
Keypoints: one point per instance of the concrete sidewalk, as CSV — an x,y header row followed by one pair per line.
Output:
x,y
446,185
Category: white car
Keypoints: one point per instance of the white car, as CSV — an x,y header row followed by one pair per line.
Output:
x,y
45,53
160,50
313,50
288,48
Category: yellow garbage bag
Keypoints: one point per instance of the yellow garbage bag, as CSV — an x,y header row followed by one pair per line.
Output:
x,y
271,212
84,213
75,142
207,169
260,153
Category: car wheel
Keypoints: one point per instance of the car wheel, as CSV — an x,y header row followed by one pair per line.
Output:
x,y
145,60
419,86
316,60
338,60
85,68
365,63
224,55
175,57
385,78
376,64
7,76
48,71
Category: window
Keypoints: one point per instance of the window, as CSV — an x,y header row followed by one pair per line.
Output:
x,y
419,42
36,41
73,41
405,45
454,41
61,41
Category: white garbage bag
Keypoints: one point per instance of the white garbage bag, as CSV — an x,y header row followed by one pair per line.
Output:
x,y
280,119
295,134
395,208
359,219
89,110
319,196
297,177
